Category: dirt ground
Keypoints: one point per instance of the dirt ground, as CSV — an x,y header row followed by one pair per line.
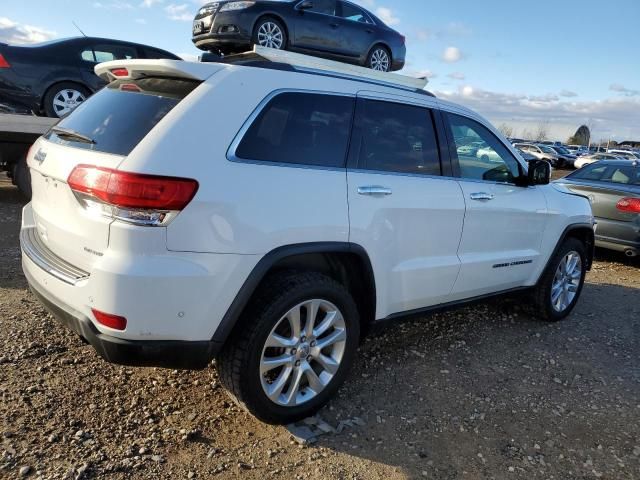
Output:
x,y
485,392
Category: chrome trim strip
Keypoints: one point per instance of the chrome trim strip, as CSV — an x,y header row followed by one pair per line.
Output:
x,y
39,253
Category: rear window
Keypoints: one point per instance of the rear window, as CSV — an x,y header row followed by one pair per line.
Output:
x,y
622,174
120,115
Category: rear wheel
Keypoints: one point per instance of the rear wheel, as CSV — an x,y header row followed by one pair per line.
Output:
x,y
22,177
379,59
293,349
270,33
63,98
561,285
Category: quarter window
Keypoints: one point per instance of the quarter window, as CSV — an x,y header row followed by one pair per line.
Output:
x,y
492,161
107,53
300,128
393,137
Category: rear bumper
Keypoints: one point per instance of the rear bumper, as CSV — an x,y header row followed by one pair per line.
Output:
x,y
618,236
163,354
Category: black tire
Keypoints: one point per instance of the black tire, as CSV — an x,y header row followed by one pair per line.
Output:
x,y
542,302
53,92
372,54
262,22
22,177
239,361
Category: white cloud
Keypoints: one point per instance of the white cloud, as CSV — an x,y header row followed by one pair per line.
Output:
x,y
615,117
452,55
141,21
628,92
387,16
12,32
457,76
180,12
150,3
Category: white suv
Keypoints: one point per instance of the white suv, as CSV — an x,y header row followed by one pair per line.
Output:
x,y
266,217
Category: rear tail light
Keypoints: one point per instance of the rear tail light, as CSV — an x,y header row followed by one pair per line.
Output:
x,y
131,197
120,72
3,62
629,205
111,321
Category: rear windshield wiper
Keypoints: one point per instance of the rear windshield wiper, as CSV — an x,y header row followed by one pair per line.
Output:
x,y
72,135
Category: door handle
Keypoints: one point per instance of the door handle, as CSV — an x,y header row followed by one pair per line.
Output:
x,y
374,190
369,30
481,196
334,25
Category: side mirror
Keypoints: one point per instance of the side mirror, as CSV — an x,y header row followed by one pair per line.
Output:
x,y
539,172
305,5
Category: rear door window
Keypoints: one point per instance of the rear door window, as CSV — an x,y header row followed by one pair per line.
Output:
x,y
300,128
107,53
120,115
395,137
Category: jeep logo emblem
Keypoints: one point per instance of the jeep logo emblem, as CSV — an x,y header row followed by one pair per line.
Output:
x,y
40,156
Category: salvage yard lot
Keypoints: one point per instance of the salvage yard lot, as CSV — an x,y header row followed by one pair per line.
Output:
x,y
485,392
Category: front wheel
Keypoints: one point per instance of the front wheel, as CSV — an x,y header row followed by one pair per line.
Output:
x,y
293,349
379,59
270,33
561,284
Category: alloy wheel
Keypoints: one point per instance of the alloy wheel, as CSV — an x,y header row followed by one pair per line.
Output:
x,y
270,35
566,281
303,353
67,100
380,60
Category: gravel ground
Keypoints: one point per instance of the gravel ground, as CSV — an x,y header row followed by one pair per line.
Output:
x,y
485,392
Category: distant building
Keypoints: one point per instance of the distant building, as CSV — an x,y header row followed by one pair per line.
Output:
x,y
630,143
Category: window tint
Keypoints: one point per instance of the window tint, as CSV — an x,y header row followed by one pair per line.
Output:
x,y
492,162
120,115
107,53
393,137
353,13
328,7
158,54
300,128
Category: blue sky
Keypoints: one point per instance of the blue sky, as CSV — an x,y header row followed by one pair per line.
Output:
x,y
555,64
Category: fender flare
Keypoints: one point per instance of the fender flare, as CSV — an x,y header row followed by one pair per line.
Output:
x,y
259,272
567,231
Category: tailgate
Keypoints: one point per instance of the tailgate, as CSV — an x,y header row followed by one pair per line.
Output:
x,y
63,225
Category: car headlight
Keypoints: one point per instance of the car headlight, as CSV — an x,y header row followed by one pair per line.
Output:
x,y
227,7
207,10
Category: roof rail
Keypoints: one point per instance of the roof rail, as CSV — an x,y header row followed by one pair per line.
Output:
x,y
281,59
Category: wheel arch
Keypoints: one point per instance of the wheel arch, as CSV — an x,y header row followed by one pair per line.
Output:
x,y
380,43
580,231
275,16
58,82
345,262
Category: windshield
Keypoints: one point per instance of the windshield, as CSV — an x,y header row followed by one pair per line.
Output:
x,y
120,115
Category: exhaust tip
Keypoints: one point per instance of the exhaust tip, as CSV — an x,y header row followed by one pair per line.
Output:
x,y
631,253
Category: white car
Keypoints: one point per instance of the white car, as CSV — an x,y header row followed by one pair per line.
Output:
x,y
268,216
594,157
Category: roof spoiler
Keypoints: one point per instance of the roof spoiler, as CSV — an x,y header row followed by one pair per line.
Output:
x,y
134,69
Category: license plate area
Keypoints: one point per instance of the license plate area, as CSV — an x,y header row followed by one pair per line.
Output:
x,y
198,27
